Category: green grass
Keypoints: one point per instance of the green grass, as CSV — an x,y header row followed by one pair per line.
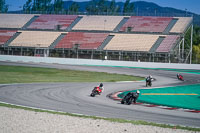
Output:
x,y
20,74
134,122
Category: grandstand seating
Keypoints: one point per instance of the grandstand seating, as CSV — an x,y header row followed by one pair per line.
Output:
x,y
14,20
167,43
146,24
5,35
42,39
51,21
131,42
181,24
101,23
86,40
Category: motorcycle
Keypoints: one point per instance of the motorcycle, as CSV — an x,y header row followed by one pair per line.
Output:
x,y
148,82
180,77
128,99
96,91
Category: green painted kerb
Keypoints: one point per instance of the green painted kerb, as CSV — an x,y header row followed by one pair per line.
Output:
x,y
187,97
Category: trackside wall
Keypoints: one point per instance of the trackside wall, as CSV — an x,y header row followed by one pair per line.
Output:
x,y
73,61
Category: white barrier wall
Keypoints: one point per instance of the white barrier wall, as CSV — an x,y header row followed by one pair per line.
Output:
x,y
73,61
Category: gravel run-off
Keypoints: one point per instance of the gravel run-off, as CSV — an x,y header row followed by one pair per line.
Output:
x,y
22,121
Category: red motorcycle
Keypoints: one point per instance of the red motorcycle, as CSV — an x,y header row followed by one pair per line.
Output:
x,y
96,91
180,77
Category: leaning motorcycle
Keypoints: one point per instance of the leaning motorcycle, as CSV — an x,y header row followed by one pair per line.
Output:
x,y
96,91
127,100
180,77
148,82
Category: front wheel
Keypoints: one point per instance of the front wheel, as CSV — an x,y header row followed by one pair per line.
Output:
x,y
122,102
150,84
130,101
92,95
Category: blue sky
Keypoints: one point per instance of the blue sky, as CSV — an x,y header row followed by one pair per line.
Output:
x,y
190,5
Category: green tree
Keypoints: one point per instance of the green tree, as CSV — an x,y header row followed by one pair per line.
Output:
x,y
128,7
74,8
102,7
27,7
3,6
195,42
113,8
41,5
58,5
92,7
196,53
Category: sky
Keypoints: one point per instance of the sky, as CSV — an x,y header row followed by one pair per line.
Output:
x,y
189,5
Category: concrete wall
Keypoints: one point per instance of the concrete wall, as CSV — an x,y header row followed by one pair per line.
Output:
x,y
73,61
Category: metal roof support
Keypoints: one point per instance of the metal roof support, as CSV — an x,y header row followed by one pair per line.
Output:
x,y
191,45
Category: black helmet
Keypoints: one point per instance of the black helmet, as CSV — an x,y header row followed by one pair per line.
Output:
x,y
101,85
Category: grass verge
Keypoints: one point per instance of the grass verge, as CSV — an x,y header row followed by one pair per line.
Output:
x,y
135,122
20,74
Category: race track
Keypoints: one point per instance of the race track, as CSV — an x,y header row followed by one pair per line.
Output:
x,y
74,97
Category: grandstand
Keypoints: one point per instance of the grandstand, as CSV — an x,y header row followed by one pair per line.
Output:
x,y
134,38
131,42
5,35
98,23
146,24
42,39
50,22
14,20
84,39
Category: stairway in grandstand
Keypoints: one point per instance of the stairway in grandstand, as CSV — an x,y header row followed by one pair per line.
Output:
x,y
74,23
170,26
157,44
57,41
124,20
11,39
105,42
29,22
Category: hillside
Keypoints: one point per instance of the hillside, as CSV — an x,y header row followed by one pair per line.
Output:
x,y
143,8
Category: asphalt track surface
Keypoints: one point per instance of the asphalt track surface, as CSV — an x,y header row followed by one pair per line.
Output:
x,y
75,97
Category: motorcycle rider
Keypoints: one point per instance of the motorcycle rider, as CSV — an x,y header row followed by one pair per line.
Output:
x,y
149,79
179,76
135,95
101,87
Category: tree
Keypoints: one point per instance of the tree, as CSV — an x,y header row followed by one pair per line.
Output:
x,y
28,6
3,6
128,7
102,7
113,8
196,53
39,5
92,7
58,5
74,8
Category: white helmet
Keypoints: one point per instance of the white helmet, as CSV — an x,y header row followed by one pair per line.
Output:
x,y
138,91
